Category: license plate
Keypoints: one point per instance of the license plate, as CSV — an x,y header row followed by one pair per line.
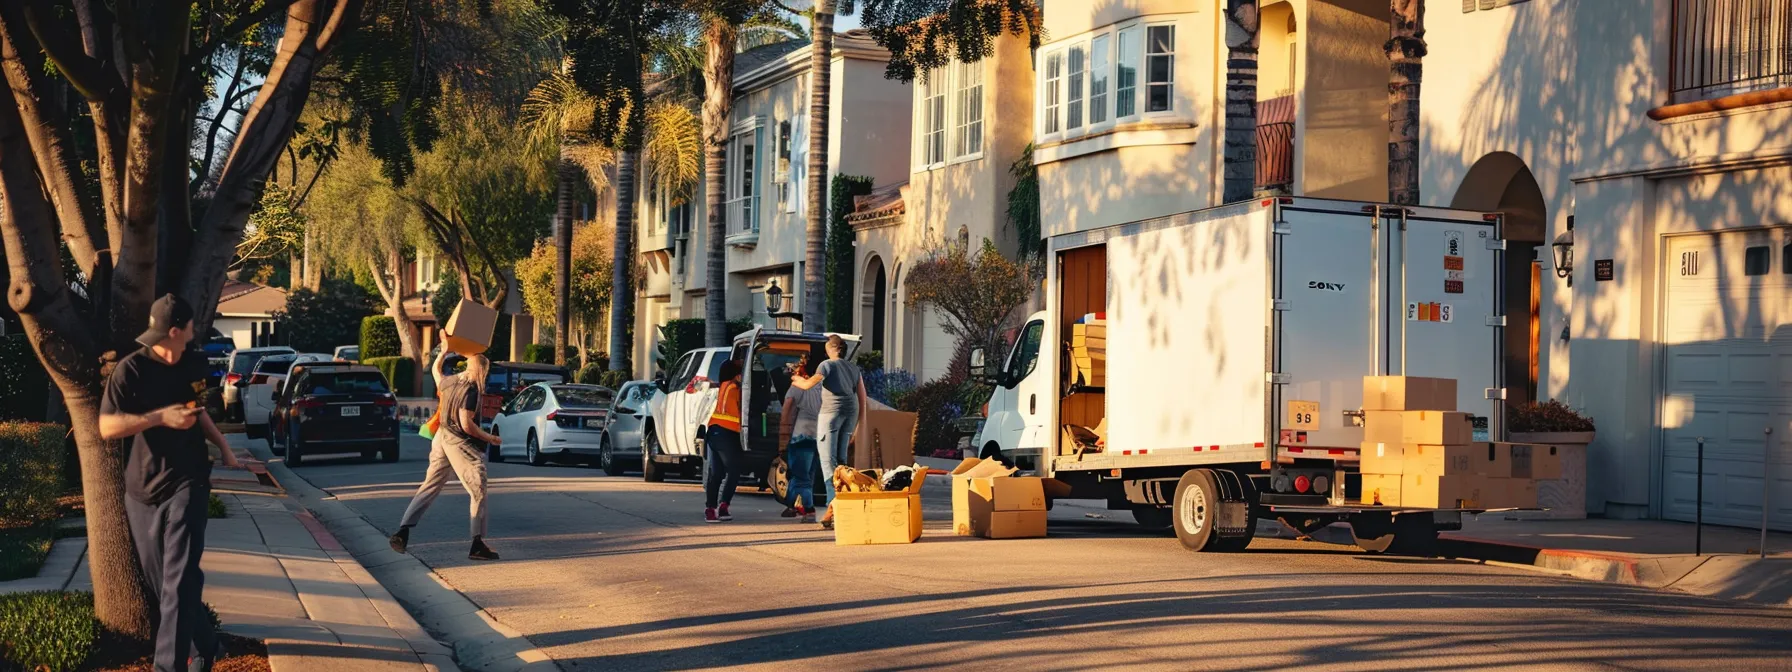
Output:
x,y
351,411
593,423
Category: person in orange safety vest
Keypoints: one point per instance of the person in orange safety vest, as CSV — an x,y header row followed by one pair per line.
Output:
x,y
722,456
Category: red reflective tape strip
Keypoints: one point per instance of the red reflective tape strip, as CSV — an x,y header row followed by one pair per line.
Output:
x,y
1337,451
1125,452
1259,444
1144,451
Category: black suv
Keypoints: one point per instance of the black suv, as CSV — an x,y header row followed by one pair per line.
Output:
x,y
327,408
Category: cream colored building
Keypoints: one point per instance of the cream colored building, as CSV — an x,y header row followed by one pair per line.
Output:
x,y
1656,129
970,127
766,186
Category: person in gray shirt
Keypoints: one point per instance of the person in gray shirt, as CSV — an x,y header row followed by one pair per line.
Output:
x,y
842,400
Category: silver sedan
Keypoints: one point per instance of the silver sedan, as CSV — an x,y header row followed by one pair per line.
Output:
x,y
621,442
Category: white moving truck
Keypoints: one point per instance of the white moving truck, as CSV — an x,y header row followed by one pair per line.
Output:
x,y
1237,339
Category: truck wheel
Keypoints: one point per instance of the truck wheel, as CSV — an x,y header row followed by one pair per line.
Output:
x,y
651,471
1195,510
1151,518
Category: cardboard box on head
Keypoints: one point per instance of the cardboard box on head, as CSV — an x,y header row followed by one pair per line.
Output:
x,y
469,329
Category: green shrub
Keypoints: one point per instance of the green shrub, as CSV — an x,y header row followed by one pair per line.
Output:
x,y
379,337
542,353
48,631
321,320
588,374
870,360
23,381
214,508
31,473
614,379
936,405
23,549
400,372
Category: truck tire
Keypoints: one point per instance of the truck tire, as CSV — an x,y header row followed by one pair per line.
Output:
x,y
1152,518
651,471
1195,510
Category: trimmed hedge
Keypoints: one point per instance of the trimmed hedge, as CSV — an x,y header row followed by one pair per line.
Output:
x,y
870,360
379,337
588,374
49,631
31,475
23,382
400,372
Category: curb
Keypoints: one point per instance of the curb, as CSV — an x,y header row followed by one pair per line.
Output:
x,y
433,654
1726,576
429,602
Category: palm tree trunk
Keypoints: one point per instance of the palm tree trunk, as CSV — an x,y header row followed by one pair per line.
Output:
x,y
821,57
1405,49
622,297
718,102
563,259
1240,172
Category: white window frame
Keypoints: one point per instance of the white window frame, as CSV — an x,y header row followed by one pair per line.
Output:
x,y
1145,83
738,187
785,141
966,95
1050,94
1133,33
1076,88
935,118
1101,69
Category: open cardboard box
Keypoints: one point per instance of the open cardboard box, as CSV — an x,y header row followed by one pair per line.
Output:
x,y
989,501
889,517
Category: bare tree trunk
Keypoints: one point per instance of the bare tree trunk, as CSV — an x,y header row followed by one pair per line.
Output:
x,y
1240,172
563,260
821,57
718,102
622,296
1406,51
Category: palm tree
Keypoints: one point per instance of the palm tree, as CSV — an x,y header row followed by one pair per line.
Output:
x,y
559,112
719,37
1240,172
1406,51
821,52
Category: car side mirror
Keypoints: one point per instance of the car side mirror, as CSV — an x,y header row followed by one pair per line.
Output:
x,y
977,367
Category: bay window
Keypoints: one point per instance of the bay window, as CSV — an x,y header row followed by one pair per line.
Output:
x,y
1099,65
1092,82
1126,72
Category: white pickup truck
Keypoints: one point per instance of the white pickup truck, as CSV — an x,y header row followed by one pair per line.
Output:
x,y
673,437
1236,342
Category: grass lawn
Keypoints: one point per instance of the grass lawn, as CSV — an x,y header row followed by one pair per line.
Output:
x,y
23,549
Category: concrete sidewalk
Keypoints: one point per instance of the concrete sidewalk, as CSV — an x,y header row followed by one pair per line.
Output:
x,y
273,573
1651,553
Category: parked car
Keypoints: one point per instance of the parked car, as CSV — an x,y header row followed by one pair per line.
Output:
x,y
242,364
624,426
348,353
556,421
219,346
671,440
257,391
328,408
506,379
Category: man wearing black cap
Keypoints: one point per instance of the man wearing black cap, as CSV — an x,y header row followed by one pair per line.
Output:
x,y
153,396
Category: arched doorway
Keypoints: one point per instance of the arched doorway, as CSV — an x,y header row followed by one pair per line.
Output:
x,y
1501,182
873,304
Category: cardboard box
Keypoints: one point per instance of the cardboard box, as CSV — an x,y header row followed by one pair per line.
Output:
x,y
469,329
884,439
1546,463
1442,492
1519,493
1382,458
1408,393
1491,460
1440,460
1012,525
1382,489
862,518
970,468
1090,329
1520,456
1008,493
1387,427
1437,428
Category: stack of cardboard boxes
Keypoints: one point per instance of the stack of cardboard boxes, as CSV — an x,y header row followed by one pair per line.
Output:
x,y
989,501
1089,350
1419,451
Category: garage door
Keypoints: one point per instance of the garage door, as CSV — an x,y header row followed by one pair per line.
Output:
x,y
1728,378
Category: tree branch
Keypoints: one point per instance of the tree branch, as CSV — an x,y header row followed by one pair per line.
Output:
x,y
46,128
239,26
64,48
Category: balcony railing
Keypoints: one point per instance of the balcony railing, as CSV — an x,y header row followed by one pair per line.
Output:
x,y
1275,154
1728,47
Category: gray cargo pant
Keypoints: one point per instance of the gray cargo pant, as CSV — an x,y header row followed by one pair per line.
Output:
x,y
450,453
169,538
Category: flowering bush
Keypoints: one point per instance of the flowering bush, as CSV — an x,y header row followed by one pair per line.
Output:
x,y
1548,416
889,386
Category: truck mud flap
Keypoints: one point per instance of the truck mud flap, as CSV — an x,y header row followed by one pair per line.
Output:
x,y
1233,517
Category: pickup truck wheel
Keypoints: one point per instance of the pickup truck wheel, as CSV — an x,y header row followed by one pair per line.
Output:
x,y
1152,518
1195,510
651,471
494,452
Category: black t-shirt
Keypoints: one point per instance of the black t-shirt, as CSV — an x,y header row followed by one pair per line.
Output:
x,y
459,391
162,459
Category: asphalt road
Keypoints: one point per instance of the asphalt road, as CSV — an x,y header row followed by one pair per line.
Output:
x,y
611,573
